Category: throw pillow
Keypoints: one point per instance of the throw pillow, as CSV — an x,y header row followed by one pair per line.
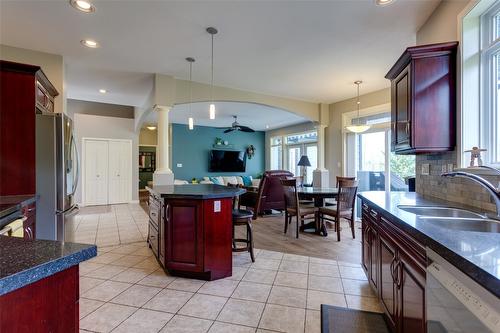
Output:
x,y
247,180
215,180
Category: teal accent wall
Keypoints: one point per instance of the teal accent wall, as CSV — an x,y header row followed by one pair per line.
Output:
x,y
191,148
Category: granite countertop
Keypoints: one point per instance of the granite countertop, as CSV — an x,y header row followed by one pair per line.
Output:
x,y
24,261
198,191
477,254
11,203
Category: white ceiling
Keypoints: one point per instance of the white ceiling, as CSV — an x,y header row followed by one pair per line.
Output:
x,y
255,116
309,50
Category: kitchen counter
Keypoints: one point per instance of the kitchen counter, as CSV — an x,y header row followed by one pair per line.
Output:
x,y
11,203
477,254
23,262
196,191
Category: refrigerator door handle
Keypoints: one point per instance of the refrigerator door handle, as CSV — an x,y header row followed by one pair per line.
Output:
x,y
70,211
75,182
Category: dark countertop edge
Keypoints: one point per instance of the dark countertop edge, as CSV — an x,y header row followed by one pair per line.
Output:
x,y
27,200
198,196
34,274
476,273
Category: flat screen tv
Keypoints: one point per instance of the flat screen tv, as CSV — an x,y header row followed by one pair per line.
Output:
x,y
227,161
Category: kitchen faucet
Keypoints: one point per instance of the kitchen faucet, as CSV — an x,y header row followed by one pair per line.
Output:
x,y
494,191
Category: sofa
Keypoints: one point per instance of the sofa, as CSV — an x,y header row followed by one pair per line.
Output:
x,y
233,180
270,194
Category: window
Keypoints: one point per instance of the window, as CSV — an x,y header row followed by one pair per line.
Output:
x,y
276,153
490,84
286,151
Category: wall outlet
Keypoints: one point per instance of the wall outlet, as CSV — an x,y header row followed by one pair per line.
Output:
x,y
425,169
450,167
179,165
216,206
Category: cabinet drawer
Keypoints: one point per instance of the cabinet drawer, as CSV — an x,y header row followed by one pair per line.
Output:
x,y
153,239
44,101
154,214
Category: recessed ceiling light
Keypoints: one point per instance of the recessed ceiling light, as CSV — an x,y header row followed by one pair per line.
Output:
x,y
151,128
89,43
83,5
383,2
267,126
102,91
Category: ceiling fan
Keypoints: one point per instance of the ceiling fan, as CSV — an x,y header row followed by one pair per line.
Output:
x,y
235,126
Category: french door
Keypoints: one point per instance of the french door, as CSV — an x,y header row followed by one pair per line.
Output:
x,y
107,171
295,152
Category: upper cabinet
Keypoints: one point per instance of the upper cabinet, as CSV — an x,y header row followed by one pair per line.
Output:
x,y
423,93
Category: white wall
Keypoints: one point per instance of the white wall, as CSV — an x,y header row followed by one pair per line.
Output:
x,y
90,126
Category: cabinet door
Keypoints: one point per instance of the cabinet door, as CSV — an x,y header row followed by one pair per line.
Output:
x,y
401,111
96,172
411,300
119,171
387,285
365,250
374,254
185,235
162,228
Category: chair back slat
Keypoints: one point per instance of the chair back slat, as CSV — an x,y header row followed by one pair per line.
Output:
x,y
339,179
290,192
347,194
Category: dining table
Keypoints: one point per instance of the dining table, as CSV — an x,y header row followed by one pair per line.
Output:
x,y
318,195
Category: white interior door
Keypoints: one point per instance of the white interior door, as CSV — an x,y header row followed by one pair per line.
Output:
x,y
96,172
119,171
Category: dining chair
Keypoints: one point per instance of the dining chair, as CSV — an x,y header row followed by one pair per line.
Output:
x,y
293,207
333,202
345,207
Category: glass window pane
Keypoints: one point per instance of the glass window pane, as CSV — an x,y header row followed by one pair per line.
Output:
x,y
371,161
293,159
402,167
496,115
497,26
312,155
302,137
277,140
276,157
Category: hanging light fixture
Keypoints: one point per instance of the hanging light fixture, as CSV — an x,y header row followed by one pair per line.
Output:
x,y
190,119
358,128
212,31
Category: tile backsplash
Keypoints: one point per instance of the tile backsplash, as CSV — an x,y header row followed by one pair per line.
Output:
x,y
457,190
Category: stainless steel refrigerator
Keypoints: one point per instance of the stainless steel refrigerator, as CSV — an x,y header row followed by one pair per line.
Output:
x,y
57,172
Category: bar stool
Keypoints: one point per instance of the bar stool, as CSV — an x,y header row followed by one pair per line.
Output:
x,y
243,217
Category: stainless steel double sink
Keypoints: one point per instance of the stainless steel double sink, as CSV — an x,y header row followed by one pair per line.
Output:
x,y
453,218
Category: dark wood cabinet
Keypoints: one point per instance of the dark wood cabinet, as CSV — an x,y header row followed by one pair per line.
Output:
x,y
191,237
423,93
395,267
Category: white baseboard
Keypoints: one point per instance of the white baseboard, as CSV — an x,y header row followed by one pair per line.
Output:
x,y
134,201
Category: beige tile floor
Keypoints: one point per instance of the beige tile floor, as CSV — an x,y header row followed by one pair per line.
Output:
x,y
124,289
108,225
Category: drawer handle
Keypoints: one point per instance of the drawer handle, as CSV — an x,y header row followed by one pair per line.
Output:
x,y
393,261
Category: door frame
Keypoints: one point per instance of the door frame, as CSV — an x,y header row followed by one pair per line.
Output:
x,y
129,176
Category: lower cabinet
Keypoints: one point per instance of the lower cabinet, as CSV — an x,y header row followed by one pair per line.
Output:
x,y
395,267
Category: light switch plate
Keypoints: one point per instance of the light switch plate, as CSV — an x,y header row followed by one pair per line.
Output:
x,y
425,169
179,165
216,206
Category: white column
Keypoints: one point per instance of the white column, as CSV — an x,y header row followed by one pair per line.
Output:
x,y
163,175
321,175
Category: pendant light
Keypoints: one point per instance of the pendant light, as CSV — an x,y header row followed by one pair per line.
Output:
x,y
190,119
212,31
358,128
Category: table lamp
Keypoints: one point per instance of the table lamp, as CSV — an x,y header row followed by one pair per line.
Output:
x,y
304,163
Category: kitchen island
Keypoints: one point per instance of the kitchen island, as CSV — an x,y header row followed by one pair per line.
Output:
x,y
190,229
39,284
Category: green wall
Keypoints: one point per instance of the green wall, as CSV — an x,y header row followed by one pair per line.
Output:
x,y
191,149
